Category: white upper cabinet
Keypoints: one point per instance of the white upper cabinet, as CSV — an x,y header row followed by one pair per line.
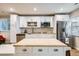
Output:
x,y
25,19
51,21
23,22
47,19
61,17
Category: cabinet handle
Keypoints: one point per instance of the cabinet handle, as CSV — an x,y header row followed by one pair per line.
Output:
x,y
24,50
55,50
40,50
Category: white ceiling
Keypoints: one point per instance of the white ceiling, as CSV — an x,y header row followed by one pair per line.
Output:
x,y
42,8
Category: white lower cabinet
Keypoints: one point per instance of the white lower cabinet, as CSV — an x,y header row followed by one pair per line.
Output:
x,y
56,51
23,51
40,51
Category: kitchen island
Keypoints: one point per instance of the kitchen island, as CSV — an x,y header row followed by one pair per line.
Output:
x,y
40,47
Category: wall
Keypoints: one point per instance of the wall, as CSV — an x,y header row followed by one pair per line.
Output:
x,y
75,13
75,16
13,27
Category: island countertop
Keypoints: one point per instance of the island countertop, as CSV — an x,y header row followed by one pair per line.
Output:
x,y
40,42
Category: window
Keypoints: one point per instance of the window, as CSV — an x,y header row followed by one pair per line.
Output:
x,y
4,24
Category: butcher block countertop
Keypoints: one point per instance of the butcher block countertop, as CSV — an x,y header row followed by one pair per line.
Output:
x,y
40,43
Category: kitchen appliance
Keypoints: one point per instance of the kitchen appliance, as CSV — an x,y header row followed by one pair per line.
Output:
x,y
61,30
45,24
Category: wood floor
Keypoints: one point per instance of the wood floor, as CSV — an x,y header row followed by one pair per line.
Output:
x,y
74,52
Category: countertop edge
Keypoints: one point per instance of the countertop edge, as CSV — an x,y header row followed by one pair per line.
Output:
x,y
40,46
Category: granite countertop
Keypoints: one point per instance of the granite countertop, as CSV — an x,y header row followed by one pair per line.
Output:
x,y
40,42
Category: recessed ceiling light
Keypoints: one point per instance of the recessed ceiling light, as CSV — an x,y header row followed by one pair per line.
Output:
x,y
12,10
35,9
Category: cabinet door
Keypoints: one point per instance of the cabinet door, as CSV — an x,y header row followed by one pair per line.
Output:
x,y
23,51
51,21
7,49
47,19
23,22
56,51
38,21
40,51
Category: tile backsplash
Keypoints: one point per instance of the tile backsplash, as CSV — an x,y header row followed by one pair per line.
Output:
x,y
38,30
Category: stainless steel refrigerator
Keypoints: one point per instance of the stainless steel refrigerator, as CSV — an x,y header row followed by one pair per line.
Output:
x,y
61,30
64,31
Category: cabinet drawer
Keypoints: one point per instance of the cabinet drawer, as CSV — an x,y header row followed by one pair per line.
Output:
x,y
40,51
56,51
23,51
